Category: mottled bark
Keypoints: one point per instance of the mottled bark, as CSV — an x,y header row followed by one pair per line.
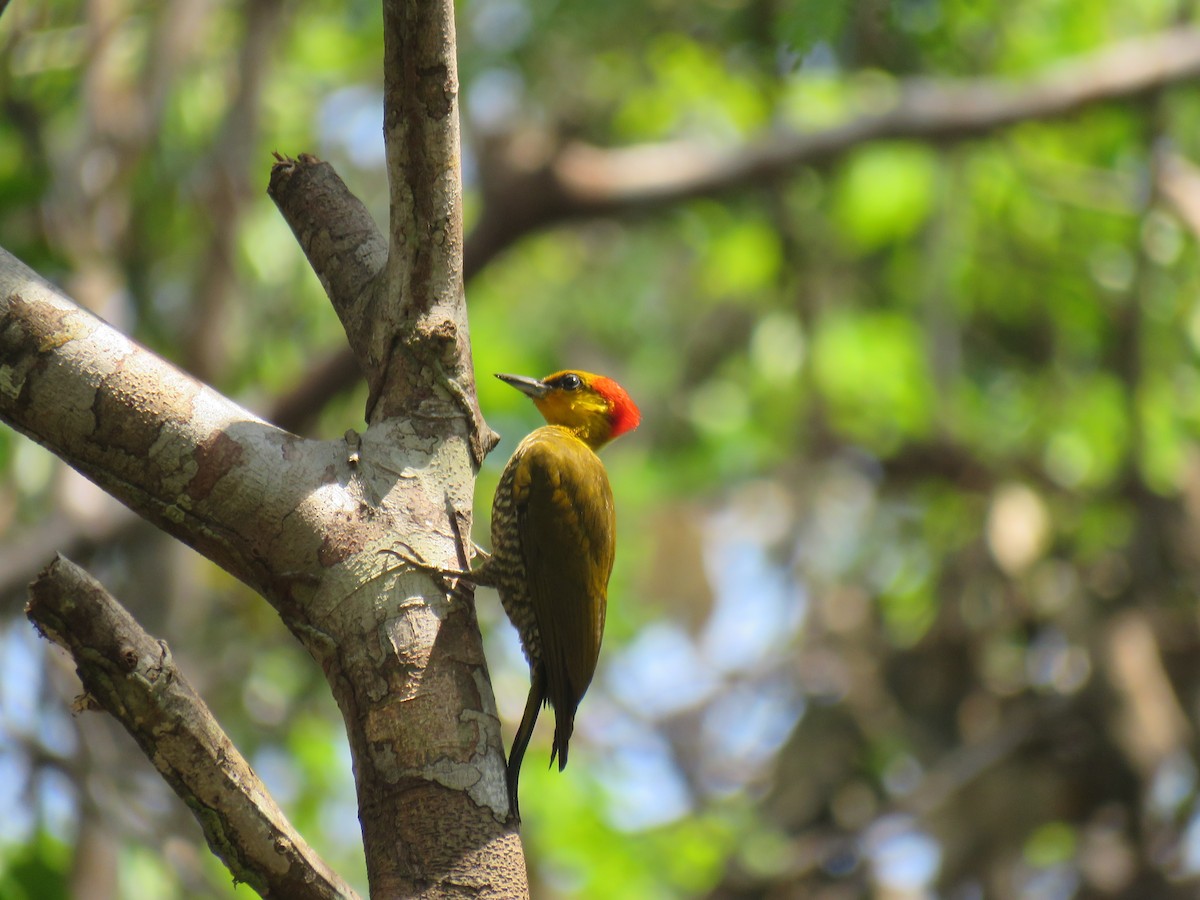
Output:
x,y
306,522
131,675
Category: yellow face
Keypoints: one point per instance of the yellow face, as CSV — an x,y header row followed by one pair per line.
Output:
x,y
573,403
594,408
570,399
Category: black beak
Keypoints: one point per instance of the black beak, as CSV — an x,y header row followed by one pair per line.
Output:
x,y
530,387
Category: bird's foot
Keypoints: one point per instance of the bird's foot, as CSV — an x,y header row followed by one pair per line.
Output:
x,y
409,558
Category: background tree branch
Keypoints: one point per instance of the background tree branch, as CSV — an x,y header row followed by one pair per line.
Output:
x,y
530,182
919,449
128,673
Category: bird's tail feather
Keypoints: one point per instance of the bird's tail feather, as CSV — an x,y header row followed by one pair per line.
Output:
x,y
533,705
564,726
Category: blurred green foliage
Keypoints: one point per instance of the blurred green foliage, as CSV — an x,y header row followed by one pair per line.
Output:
x,y
926,352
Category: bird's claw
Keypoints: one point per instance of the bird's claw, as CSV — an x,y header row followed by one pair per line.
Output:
x,y
410,558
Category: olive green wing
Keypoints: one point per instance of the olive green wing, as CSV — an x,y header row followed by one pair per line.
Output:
x,y
567,527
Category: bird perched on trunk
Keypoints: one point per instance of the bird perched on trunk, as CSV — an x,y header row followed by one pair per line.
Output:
x,y
553,540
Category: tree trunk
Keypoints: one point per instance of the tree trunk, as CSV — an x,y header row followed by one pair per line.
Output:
x,y
306,522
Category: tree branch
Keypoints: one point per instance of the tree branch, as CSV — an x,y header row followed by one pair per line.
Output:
x,y
406,667
421,353
173,450
344,247
420,127
534,184
401,302
306,522
130,674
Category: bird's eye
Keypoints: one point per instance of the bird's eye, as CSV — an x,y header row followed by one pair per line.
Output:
x,y
570,382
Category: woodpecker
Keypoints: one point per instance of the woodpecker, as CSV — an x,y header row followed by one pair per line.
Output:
x,y
553,541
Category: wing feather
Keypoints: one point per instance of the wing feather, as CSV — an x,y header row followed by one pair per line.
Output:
x,y
567,526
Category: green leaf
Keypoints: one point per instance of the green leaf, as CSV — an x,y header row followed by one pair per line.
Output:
x,y
884,193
